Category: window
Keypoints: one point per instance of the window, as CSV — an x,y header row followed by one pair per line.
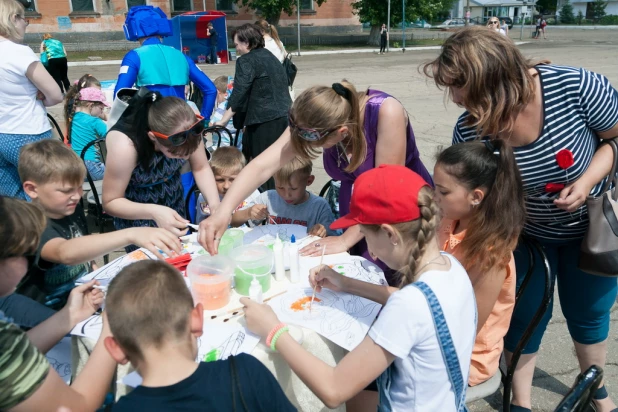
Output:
x,y
82,5
306,4
226,5
31,7
182,5
133,3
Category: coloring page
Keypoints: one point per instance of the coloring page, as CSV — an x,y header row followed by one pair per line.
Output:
x,y
59,358
90,328
265,235
106,273
355,267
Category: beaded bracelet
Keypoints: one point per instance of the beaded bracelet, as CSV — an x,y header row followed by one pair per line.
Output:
x,y
271,334
273,343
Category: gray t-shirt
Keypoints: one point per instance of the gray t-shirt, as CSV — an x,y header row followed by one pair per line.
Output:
x,y
315,210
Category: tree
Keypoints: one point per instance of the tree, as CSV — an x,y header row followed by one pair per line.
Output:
x,y
546,6
598,9
271,9
566,13
375,12
580,17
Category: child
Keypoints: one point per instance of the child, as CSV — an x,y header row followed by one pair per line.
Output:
x,y
291,202
52,175
27,380
87,80
395,210
226,163
480,195
155,327
85,125
222,83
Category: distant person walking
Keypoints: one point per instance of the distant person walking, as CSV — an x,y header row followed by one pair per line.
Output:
x,y
540,27
383,38
57,64
504,27
214,36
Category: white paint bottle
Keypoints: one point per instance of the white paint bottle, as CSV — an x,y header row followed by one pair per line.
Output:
x,y
279,266
255,291
294,261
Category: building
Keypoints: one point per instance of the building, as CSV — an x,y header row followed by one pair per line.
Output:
x,y
481,10
584,7
101,20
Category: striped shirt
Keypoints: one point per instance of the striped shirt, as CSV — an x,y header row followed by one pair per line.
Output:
x,y
576,103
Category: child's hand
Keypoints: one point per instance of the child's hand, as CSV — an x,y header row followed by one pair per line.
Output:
x,y
167,218
261,318
334,244
155,239
317,230
325,277
83,301
258,212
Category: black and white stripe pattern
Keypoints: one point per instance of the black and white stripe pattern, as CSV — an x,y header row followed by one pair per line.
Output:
x,y
576,103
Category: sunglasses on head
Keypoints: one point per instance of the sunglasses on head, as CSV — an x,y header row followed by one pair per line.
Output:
x,y
305,133
178,139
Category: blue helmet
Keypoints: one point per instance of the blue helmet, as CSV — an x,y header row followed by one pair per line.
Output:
x,y
146,21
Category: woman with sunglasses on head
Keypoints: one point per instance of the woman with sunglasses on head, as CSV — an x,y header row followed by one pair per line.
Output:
x,y
494,24
358,132
146,150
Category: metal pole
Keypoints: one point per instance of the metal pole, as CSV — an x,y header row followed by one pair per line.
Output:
x,y
467,14
298,26
403,24
388,26
204,4
523,20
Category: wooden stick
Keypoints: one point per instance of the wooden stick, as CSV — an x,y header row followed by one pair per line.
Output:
x,y
316,283
236,310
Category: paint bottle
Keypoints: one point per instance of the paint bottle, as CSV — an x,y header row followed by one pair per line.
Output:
x,y
294,261
255,291
278,252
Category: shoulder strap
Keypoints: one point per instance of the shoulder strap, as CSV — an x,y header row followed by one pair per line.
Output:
x,y
449,354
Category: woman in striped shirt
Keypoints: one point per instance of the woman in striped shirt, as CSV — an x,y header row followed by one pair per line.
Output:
x,y
556,118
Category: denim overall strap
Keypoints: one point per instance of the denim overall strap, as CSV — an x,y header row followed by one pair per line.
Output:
x,y
383,382
446,346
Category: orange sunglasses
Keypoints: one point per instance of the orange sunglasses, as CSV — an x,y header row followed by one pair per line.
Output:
x,y
178,139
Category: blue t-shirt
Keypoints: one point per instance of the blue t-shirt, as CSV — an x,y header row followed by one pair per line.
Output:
x,y
84,129
210,388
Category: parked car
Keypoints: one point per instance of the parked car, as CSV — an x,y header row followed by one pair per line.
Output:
x,y
418,24
453,24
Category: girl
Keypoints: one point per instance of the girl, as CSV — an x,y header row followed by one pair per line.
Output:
x,y
358,131
57,61
272,42
395,210
479,192
87,80
561,161
146,150
85,125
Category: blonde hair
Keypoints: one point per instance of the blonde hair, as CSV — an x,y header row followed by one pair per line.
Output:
x,y
221,84
227,159
298,165
8,10
21,227
48,161
493,74
148,304
417,234
47,36
322,108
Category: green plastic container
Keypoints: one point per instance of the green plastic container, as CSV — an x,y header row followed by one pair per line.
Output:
x,y
231,239
252,260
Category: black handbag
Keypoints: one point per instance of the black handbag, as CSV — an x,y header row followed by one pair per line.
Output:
x,y
290,69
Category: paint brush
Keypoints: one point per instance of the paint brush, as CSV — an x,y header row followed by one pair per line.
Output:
x,y
271,219
316,283
235,312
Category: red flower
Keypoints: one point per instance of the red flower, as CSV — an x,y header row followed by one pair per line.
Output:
x,y
554,187
565,158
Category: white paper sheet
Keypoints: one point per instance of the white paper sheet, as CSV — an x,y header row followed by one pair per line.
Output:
x,y
106,273
59,358
90,328
351,266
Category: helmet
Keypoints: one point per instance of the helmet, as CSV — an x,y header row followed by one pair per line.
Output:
x,y
146,21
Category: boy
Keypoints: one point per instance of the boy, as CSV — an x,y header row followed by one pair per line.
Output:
x,y
291,203
223,85
226,163
52,175
155,327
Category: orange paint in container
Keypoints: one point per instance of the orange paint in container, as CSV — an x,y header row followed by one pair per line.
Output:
x,y
211,280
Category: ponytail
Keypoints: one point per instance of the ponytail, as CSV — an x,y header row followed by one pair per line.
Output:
x,y
270,29
139,107
498,220
71,115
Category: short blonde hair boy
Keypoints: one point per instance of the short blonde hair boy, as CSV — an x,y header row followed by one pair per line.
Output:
x,y
221,84
49,161
8,10
227,159
300,166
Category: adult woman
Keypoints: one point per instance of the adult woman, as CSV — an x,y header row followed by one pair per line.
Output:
x,y
357,132
56,61
494,24
272,42
383,38
546,113
145,151
260,91
25,89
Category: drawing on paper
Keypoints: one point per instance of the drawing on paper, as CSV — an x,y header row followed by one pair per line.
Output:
x,y
63,369
360,269
59,358
231,346
110,270
265,235
92,326
304,303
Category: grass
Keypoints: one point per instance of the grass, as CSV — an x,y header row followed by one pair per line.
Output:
x,y
103,54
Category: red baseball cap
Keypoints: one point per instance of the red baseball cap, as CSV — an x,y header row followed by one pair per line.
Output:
x,y
384,195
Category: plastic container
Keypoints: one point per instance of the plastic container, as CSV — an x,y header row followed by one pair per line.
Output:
x,y
279,266
294,261
231,239
211,280
252,261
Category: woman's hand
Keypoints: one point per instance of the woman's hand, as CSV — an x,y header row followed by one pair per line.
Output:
x,y
317,230
167,218
83,301
334,244
156,239
573,196
261,319
325,277
211,230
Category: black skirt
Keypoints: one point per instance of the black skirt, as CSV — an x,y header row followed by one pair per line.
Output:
x,y
258,137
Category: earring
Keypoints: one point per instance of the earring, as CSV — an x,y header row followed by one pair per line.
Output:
x,y
475,204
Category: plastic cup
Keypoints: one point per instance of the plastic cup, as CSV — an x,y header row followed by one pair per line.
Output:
x,y
231,239
211,280
252,260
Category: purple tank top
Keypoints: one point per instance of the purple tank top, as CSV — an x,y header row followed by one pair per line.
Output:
x,y
413,162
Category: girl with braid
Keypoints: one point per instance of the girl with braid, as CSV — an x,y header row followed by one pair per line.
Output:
x,y
419,366
87,80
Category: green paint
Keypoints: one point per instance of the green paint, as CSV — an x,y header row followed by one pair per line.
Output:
x,y
212,355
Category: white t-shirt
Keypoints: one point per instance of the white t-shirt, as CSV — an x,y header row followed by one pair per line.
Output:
x,y
406,329
20,111
271,45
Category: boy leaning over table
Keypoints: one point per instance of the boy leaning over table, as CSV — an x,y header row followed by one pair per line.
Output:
x,y
52,175
155,326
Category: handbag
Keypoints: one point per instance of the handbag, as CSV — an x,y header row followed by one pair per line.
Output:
x,y
599,250
290,69
121,102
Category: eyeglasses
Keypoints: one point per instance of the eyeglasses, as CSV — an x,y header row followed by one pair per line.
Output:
x,y
178,139
22,18
310,135
493,22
